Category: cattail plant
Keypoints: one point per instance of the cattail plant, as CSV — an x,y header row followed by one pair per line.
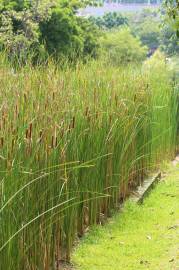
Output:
x,y
73,144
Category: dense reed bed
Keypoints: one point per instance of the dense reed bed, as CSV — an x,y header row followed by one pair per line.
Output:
x,y
73,143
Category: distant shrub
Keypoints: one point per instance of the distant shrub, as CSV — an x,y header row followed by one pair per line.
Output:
x,y
121,47
157,61
169,41
110,20
149,32
150,26
146,25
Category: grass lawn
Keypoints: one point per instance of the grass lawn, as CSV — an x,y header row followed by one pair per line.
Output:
x,y
141,237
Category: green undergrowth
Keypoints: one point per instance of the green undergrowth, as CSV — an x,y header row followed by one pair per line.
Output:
x,y
141,237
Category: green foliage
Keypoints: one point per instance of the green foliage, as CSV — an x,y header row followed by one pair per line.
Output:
x,y
110,20
169,41
121,47
20,31
68,35
172,7
62,33
91,35
149,32
150,26
37,28
17,5
146,25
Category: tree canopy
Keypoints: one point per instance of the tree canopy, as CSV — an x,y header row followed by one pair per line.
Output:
x,y
33,27
172,7
110,20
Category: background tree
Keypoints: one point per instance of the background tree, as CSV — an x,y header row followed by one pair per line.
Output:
x,y
121,47
172,7
169,41
146,25
39,27
110,20
19,29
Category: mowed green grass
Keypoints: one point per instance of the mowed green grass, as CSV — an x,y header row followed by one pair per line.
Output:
x,y
141,237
